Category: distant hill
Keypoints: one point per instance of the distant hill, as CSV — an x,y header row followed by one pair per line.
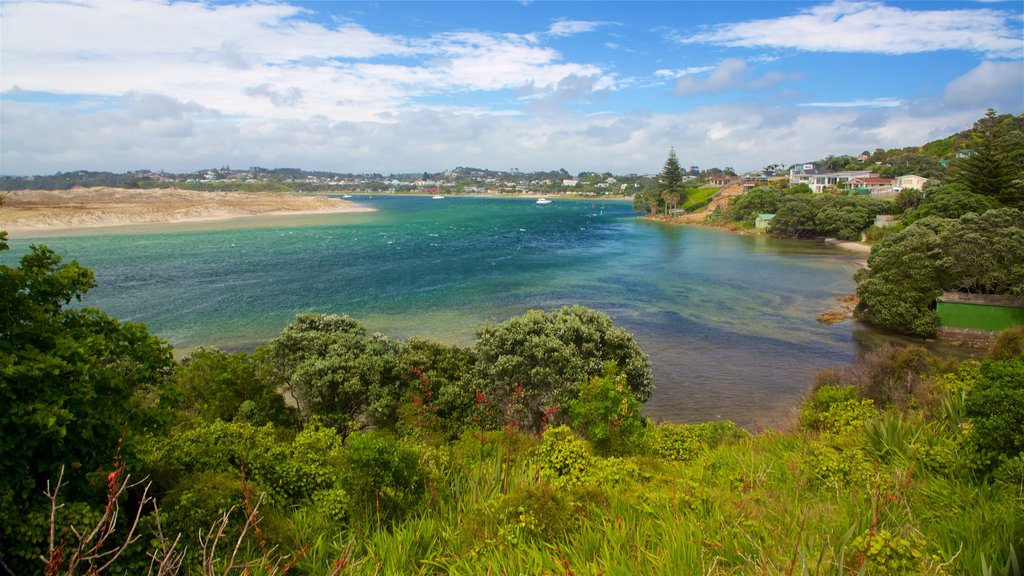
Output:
x,y
929,160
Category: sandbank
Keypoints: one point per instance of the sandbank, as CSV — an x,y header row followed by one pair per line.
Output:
x,y
35,212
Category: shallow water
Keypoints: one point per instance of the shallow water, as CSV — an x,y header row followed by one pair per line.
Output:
x,y
728,320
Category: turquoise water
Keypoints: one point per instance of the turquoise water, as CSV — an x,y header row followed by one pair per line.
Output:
x,y
728,320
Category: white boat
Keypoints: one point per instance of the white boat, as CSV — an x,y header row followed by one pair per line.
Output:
x,y
438,197
543,201
347,196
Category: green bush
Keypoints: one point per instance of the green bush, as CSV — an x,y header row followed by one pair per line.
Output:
x,y
996,408
889,554
836,409
607,413
564,458
383,478
1009,344
535,512
683,442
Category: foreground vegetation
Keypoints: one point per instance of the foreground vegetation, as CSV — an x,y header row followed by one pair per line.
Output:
x,y
523,454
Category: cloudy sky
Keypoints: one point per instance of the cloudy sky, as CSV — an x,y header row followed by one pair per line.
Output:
x,y
424,86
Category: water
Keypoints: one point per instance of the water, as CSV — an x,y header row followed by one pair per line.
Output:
x,y
728,320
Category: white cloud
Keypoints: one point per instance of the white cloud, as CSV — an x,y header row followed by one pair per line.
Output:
x,y
875,103
262,60
998,85
565,27
873,27
729,74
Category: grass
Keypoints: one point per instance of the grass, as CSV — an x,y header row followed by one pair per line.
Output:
x,y
751,506
699,197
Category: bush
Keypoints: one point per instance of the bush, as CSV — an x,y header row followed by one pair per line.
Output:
x,y
835,408
607,413
683,442
996,408
1009,344
535,512
563,458
383,478
890,554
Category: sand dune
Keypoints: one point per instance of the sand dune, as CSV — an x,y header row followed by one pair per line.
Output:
x,y
30,211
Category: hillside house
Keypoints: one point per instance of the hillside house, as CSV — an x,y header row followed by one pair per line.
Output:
x,y
763,221
875,186
909,181
818,178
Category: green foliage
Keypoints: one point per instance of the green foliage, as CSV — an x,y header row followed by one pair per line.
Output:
x,y
759,200
535,513
1009,344
337,372
382,477
439,394
907,199
564,459
891,436
906,272
842,217
607,413
996,408
683,442
838,467
887,553
836,408
73,385
996,164
546,356
216,385
951,201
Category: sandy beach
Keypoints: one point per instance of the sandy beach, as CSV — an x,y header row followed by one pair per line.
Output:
x,y
34,211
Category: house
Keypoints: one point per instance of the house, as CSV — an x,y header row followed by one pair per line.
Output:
x,y
569,182
818,178
965,153
909,181
874,186
763,221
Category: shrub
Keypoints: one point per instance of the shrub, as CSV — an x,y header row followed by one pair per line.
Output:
x,y
1009,344
996,408
607,413
563,458
383,478
683,442
838,468
535,512
835,408
887,553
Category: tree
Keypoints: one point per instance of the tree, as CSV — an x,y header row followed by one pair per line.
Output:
x,y
994,167
75,385
907,271
670,181
547,356
216,385
338,372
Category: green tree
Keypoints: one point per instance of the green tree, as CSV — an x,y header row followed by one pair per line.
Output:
x,y
547,356
907,271
74,385
670,182
951,201
216,385
338,372
607,413
994,167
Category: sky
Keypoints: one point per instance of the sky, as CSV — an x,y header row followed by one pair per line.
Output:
x,y
408,87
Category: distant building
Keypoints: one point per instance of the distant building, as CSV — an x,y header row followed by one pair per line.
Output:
x,y
763,221
909,181
570,182
874,186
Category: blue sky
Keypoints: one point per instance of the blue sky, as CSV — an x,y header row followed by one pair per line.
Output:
x,y
424,86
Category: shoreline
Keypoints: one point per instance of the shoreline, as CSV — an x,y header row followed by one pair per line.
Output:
x,y
36,213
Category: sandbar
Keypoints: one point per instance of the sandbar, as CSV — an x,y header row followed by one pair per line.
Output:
x,y
32,212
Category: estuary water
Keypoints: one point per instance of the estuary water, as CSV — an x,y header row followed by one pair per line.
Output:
x,y
727,320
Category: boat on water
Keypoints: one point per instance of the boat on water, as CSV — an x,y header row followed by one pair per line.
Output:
x,y
436,197
543,201
347,196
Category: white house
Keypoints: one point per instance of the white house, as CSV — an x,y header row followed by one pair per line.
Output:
x,y
909,181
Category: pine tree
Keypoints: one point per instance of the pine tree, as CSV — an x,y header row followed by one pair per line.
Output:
x,y
670,181
989,169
